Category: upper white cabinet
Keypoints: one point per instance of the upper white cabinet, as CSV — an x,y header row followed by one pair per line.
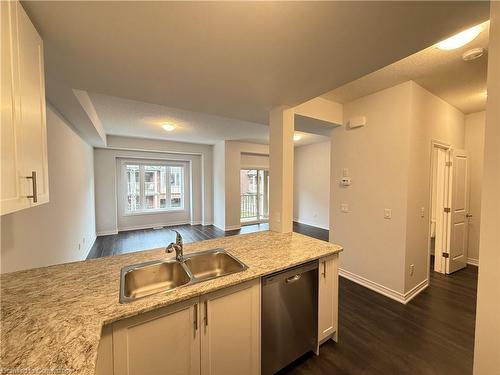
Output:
x,y
328,298
24,173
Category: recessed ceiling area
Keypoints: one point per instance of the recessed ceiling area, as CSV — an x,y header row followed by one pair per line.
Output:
x,y
232,59
442,72
131,118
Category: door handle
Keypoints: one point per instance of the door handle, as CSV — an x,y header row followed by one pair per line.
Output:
x,y
205,318
292,279
33,196
195,317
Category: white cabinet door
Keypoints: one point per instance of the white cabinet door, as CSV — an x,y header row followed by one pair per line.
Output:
x,y
164,341
230,343
11,197
24,134
32,107
328,298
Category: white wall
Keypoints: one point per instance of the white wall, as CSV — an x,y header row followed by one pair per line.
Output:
x,y
389,164
227,166
311,184
474,144
52,233
487,342
377,159
219,178
109,218
431,118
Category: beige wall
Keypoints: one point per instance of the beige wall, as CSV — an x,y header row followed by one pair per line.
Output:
x,y
431,118
474,144
311,184
377,158
62,230
487,343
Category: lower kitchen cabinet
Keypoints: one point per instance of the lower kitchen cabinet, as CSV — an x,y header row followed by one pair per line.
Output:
x,y
218,333
164,341
230,338
328,298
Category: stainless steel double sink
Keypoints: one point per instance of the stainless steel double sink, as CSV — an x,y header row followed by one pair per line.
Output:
x,y
144,279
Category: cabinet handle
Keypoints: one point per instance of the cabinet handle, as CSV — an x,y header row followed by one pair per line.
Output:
x,y
205,318
34,196
195,316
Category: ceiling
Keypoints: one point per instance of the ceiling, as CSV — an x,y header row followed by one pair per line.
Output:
x,y
444,73
231,59
143,120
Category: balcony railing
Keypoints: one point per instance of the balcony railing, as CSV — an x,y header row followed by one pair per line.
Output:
x,y
248,206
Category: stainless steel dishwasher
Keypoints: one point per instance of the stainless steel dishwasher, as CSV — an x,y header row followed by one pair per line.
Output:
x,y
289,316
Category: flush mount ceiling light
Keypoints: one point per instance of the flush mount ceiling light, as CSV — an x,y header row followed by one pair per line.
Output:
x,y
460,39
297,137
473,54
168,127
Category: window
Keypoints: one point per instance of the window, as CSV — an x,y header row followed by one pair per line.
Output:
x,y
154,186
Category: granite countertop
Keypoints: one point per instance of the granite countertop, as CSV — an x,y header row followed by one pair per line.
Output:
x,y
51,317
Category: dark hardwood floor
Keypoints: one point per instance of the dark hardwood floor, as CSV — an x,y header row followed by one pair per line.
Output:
x,y
432,334
137,240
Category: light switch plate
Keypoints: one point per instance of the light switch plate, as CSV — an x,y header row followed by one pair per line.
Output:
x,y
387,213
344,207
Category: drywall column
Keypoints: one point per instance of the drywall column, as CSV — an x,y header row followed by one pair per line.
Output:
x,y
281,123
487,343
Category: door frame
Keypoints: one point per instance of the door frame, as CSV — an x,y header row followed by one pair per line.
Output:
x,y
444,146
258,221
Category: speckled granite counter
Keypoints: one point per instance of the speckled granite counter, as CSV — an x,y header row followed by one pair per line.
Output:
x,y
51,317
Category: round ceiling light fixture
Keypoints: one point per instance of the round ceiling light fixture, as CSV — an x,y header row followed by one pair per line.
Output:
x,y
460,39
473,54
297,137
168,127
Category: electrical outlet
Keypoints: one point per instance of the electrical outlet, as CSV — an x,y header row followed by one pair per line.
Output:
x,y
344,207
412,269
387,213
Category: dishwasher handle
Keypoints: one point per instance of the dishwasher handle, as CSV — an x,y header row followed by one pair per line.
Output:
x,y
290,275
292,279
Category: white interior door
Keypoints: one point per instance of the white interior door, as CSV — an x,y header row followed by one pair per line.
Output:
x,y
439,202
459,205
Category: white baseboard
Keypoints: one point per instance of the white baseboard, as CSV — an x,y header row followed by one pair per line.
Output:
x,y
416,290
197,222
473,262
156,225
403,298
225,229
297,220
89,246
232,227
107,232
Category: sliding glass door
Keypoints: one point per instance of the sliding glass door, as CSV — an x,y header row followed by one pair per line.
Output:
x,y
254,188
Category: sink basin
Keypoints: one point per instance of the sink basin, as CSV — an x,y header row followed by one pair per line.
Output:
x,y
144,279
150,278
210,264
